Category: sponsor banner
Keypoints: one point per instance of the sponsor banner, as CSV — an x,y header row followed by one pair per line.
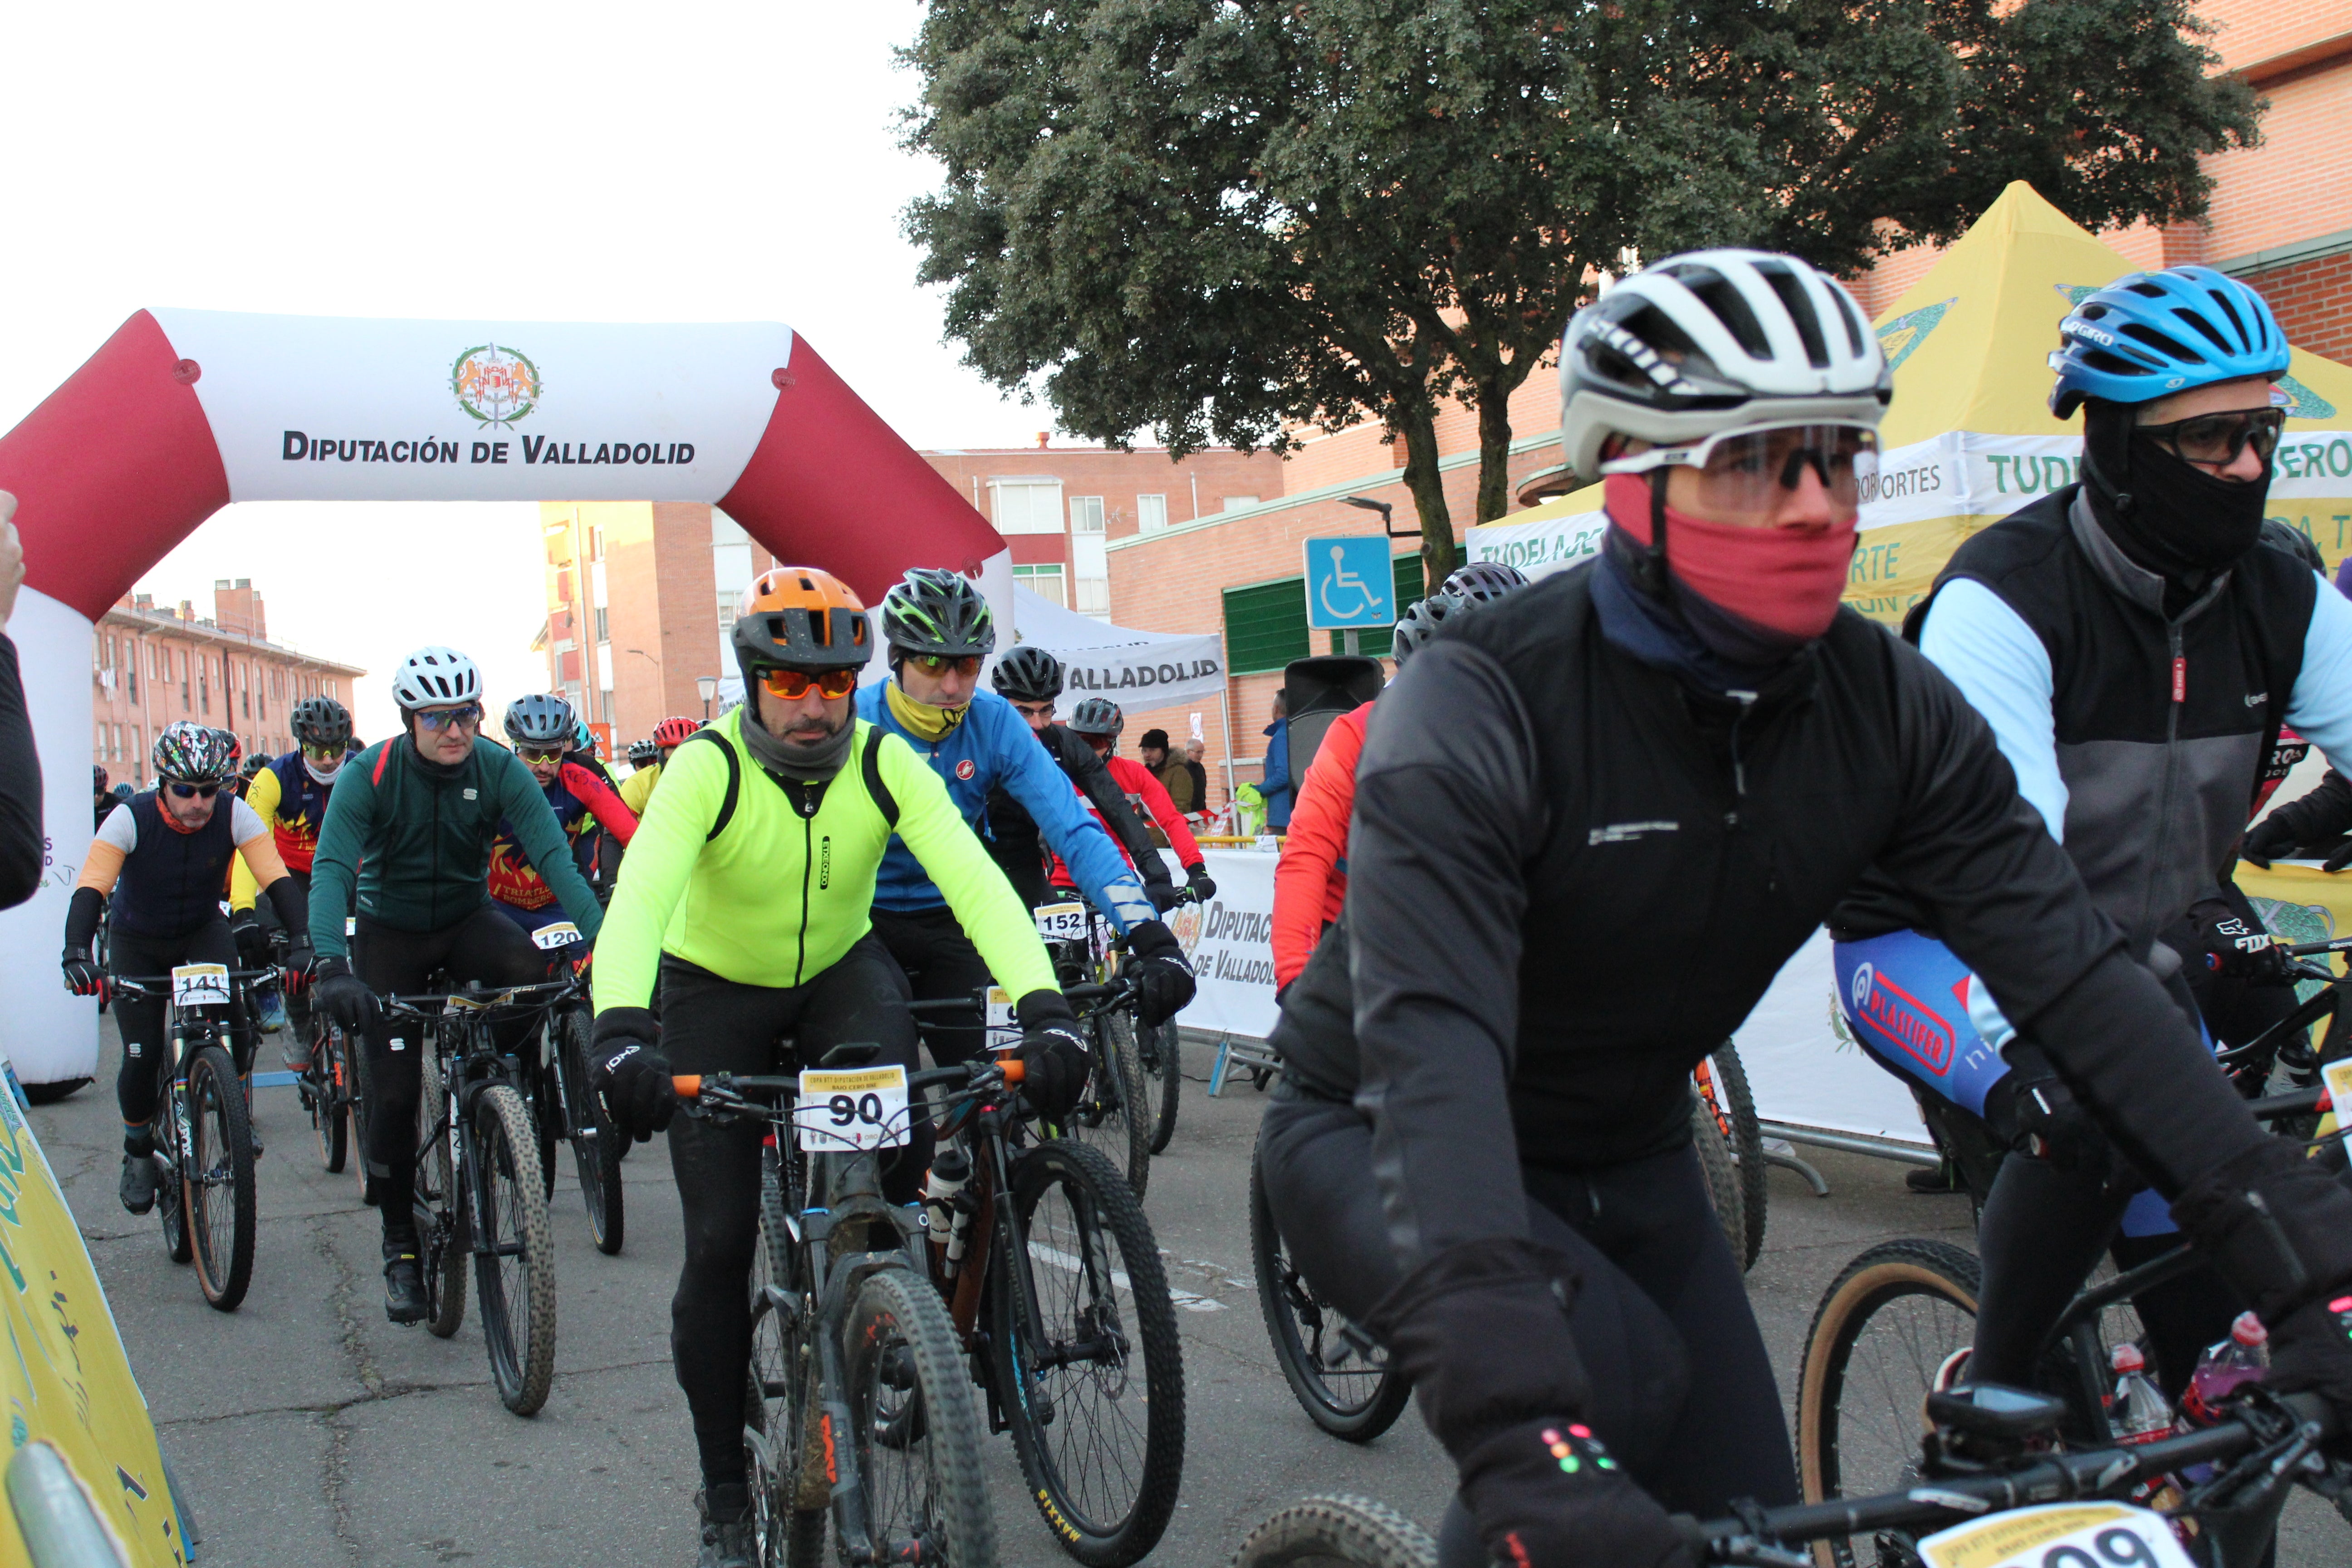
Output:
x,y
1136,670
1230,941
1540,549
325,408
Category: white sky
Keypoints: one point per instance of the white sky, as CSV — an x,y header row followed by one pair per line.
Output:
x,y
687,162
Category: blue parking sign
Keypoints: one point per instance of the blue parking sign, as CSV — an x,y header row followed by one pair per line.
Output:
x,y
1350,583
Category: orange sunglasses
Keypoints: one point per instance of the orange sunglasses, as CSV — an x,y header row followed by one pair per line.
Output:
x,y
792,685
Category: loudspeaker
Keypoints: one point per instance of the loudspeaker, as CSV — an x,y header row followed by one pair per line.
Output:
x,y
1319,689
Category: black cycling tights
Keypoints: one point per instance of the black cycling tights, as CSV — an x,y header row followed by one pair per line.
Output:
x,y
941,965
714,1025
142,1019
485,946
1682,1386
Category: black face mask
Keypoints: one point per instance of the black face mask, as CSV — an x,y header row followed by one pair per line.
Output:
x,y
2164,512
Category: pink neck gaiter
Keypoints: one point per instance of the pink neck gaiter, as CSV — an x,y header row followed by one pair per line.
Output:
x,y
1781,581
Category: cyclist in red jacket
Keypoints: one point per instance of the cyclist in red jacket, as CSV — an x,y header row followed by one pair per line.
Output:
x,y
1097,721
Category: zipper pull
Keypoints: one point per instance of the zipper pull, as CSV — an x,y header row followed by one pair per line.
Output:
x,y
2179,678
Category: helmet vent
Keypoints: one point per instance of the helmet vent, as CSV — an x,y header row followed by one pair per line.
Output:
x,y
1730,308
2207,330
2169,347
1795,299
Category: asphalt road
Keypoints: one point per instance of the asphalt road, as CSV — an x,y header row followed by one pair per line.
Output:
x,y
308,1431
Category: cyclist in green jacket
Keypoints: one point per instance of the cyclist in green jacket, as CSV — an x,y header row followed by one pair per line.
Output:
x,y
747,893
406,844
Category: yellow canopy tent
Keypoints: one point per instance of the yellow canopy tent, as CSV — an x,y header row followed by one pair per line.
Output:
x,y
1969,438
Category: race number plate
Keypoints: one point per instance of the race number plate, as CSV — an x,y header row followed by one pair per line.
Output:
x,y
200,985
863,1107
2059,1535
1000,1007
562,933
2338,1075
1063,922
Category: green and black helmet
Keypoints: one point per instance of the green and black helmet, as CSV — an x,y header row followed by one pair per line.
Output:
x,y
936,612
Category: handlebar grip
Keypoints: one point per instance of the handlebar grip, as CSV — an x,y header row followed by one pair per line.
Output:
x,y
688,1084
1015,1069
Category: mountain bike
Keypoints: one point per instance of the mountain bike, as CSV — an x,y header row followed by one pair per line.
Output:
x,y
856,1407
1997,1494
1054,1282
202,1126
480,1193
1159,1051
329,1081
1115,1112
564,1108
1721,1082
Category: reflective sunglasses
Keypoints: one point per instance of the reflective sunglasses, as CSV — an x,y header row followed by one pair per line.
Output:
x,y
541,753
442,718
792,685
1744,470
196,792
2214,440
939,664
327,753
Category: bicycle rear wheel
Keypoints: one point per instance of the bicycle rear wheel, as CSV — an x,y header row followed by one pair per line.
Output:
x,y
1735,1111
514,1259
594,1143
323,1097
441,1221
219,1179
1344,1380
1722,1177
1161,1055
1111,1117
1885,1328
918,1434
1094,1395
1338,1532
171,1192
351,1069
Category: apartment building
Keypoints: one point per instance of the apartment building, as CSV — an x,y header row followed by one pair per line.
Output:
x,y
152,666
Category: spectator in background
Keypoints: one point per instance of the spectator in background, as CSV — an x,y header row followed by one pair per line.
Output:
x,y
2344,577
101,798
1273,777
22,838
1173,776
1192,750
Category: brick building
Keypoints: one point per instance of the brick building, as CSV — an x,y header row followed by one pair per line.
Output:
x,y
151,666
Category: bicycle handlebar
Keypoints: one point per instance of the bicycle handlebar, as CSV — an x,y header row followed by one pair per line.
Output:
x,y
160,984
749,1086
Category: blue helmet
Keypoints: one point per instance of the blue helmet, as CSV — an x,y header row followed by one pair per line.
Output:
x,y
2150,335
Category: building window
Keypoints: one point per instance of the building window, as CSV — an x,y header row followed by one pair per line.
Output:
x,y
1046,582
1150,513
1026,506
1085,514
1235,503
604,631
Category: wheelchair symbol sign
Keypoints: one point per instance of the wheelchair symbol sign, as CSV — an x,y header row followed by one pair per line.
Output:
x,y
1349,582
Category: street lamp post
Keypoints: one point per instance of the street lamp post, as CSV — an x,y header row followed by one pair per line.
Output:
x,y
709,686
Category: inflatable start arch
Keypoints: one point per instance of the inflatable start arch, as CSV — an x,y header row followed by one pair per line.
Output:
x,y
182,412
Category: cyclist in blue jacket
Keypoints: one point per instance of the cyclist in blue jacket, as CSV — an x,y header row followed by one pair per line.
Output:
x,y
940,630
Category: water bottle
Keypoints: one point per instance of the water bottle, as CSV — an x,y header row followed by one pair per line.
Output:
x,y
945,1211
2138,1412
2225,1366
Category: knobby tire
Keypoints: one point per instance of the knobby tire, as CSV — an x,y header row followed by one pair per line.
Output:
x,y
1310,1339
917,1445
219,1179
1333,1532
514,1252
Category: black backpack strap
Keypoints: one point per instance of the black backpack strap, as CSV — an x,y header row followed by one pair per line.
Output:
x,y
734,780
869,762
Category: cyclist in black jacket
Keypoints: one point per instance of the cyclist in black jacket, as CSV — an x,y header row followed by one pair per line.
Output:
x,y
1594,821
1030,678
22,843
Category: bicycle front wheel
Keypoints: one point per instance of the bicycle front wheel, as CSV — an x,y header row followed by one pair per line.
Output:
x,y
514,1257
1735,1111
1163,1078
1111,1117
1092,1383
219,1179
789,1491
1344,1380
916,1431
1887,1326
594,1142
1338,1532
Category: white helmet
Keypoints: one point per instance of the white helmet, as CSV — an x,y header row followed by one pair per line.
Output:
x,y
1713,340
432,676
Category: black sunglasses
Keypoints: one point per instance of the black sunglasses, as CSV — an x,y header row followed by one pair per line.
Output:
x,y
2216,439
196,792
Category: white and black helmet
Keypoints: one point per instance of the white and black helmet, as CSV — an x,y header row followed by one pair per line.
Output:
x,y
434,676
1712,340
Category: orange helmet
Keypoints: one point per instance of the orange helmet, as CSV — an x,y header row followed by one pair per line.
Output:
x,y
799,617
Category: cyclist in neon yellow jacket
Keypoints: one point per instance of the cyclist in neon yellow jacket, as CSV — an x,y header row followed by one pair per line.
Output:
x,y
746,897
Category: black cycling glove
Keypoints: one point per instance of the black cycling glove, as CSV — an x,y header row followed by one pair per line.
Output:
x,y
630,1072
2035,1113
1197,877
1164,896
1053,1053
83,976
1163,980
1547,1491
2232,946
346,998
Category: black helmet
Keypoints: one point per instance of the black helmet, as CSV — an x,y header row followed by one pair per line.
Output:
x,y
1028,674
542,719
321,722
1483,580
2283,535
253,764
1098,716
644,753
97,779
937,612
1421,621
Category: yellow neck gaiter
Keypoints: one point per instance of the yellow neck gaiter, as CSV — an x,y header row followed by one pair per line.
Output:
x,y
921,719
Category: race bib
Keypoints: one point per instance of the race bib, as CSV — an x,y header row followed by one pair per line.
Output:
x,y
562,933
200,985
2338,1075
1000,1008
1063,922
350,926
861,1108
2059,1535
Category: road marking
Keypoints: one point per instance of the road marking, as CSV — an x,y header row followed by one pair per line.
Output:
x,y
1069,1262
